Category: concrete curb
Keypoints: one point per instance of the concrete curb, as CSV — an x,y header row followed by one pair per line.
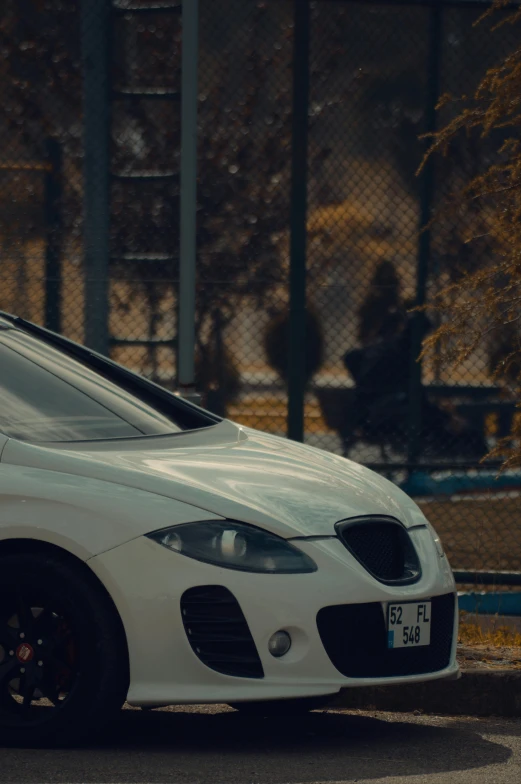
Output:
x,y
476,693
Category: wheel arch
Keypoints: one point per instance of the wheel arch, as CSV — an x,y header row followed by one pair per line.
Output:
x,y
20,546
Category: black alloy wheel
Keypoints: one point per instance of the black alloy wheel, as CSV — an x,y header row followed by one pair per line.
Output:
x,y
63,664
39,663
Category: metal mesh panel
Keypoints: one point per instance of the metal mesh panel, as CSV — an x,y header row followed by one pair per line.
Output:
x,y
383,67
369,64
376,71
40,158
145,131
244,153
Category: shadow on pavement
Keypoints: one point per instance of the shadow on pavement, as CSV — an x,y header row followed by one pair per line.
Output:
x,y
181,746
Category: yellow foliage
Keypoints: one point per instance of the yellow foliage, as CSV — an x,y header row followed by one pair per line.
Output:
x,y
486,301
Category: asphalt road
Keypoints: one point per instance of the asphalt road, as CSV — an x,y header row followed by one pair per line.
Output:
x,y
213,745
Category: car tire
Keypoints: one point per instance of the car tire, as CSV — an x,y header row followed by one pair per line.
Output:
x,y
63,655
273,708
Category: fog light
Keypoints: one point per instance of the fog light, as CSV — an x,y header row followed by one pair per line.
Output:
x,y
279,644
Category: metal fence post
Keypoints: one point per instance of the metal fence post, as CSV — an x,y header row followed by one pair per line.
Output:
x,y
95,38
298,219
424,245
188,199
53,236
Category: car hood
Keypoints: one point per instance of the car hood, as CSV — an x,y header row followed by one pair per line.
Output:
x,y
236,473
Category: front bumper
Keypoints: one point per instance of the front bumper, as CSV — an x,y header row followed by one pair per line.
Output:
x,y
146,582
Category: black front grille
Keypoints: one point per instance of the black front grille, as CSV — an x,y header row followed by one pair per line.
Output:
x,y
383,547
355,639
218,633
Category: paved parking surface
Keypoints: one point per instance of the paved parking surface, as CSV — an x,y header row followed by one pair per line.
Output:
x,y
213,745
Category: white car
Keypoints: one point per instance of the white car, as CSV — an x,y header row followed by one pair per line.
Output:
x,y
152,552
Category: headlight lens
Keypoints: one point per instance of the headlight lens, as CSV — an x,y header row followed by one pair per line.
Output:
x,y
235,546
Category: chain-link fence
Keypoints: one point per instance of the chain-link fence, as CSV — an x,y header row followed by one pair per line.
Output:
x,y
377,70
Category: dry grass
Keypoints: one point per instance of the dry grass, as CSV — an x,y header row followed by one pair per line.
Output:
x,y
471,633
498,648
489,642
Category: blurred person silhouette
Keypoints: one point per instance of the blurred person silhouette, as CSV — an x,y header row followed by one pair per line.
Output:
x,y
381,364
382,313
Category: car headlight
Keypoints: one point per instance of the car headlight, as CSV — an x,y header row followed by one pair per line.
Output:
x,y
437,541
235,546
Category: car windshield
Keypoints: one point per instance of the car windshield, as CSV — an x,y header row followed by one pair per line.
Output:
x,y
46,395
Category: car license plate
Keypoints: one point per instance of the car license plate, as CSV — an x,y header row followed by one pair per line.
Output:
x,y
408,624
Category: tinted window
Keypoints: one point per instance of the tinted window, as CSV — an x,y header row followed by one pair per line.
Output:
x,y
48,396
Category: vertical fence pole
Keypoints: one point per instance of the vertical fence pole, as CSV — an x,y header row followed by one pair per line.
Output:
x,y
425,240
53,236
188,199
95,38
298,219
